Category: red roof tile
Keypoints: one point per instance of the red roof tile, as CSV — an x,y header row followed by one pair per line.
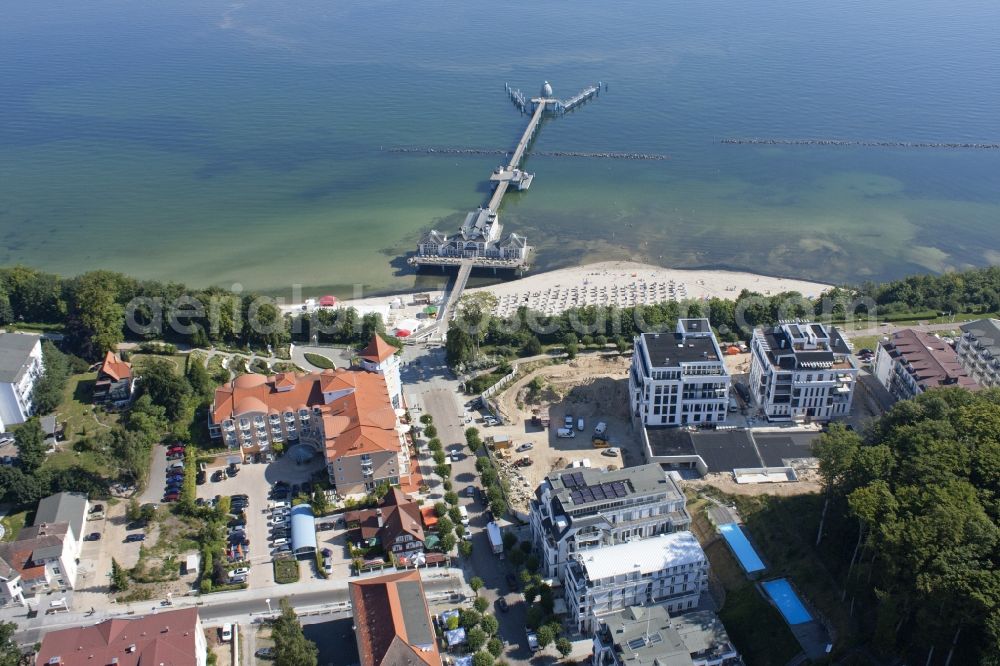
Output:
x,y
377,350
115,368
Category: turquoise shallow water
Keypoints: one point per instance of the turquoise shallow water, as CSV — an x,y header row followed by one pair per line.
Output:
x,y
219,142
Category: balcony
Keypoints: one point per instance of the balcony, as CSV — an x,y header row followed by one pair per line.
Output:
x,y
289,417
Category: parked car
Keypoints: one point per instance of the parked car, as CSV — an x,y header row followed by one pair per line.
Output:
x,y
171,497
132,538
284,548
97,508
470,491
328,564
93,536
527,446
568,421
325,527
227,632
264,653
269,458
242,571
502,605
218,475
240,496
610,451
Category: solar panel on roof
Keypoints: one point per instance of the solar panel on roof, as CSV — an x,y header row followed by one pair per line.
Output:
x,y
636,643
577,497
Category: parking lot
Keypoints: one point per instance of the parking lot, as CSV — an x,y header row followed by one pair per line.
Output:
x,y
255,481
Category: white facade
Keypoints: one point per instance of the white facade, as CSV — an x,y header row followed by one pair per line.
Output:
x,y
11,592
802,371
580,509
20,368
679,379
388,368
979,351
670,570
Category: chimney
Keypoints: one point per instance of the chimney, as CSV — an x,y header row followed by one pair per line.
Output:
x,y
378,514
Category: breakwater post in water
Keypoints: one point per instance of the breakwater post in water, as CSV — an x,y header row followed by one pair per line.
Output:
x,y
862,143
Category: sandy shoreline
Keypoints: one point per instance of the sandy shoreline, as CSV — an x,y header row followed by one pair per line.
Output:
x,y
622,283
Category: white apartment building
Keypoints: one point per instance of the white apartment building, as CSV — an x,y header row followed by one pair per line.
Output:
x,y
979,350
648,636
680,378
669,569
579,509
20,367
801,371
380,357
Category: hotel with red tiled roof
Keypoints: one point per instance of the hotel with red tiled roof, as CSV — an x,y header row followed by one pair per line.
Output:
x,y
173,637
348,415
911,362
381,357
396,524
392,623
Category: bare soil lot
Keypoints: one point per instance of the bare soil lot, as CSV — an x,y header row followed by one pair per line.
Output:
x,y
594,389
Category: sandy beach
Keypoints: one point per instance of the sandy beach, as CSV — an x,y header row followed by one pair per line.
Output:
x,y
621,283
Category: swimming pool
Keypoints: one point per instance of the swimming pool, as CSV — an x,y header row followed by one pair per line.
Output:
x,y
741,547
784,597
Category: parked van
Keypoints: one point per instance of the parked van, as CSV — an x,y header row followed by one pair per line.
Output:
x,y
227,632
601,428
579,425
565,433
464,514
279,542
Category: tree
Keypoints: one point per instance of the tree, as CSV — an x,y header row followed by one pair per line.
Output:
x,y
469,618
451,498
132,510
30,442
465,548
490,625
95,319
455,515
532,347
165,387
445,526
448,542
119,577
495,646
545,636
426,419
475,638
458,347
564,646
440,509
476,584
291,647
483,658
481,604
10,653
431,431
47,394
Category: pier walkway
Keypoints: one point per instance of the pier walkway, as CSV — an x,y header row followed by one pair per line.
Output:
x,y
515,160
447,310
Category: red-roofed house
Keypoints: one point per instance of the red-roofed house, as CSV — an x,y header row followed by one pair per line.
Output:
x,y
392,623
171,638
381,357
114,381
347,415
395,523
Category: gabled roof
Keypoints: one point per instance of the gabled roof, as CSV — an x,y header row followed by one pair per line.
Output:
x,y
164,638
63,508
115,368
393,625
377,350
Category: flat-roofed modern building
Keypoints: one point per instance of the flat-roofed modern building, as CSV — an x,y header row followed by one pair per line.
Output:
x,y
392,624
910,362
649,636
579,509
979,350
20,367
669,569
801,371
679,378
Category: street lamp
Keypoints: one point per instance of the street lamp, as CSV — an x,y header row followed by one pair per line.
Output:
x,y
268,602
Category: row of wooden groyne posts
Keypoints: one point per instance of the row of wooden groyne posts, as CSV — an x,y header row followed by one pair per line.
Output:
x,y
535,153
869,144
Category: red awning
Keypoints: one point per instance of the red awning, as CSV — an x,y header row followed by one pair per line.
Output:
x,y
328,300
402,333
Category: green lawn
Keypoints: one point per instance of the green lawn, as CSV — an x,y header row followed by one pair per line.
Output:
x,y
320,361
77,410
12,524
177,360
286,571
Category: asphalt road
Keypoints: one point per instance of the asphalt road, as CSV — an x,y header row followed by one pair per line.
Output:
x,y
437,392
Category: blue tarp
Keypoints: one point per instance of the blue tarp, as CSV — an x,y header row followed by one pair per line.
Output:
x,y
741,547
455,636
787,601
